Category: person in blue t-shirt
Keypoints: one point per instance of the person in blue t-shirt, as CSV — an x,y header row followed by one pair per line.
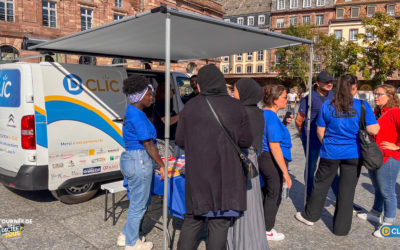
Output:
x,y
322,92
337,129
274,157
136,162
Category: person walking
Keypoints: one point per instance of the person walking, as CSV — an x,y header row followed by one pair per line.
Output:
x,y
215,185
136,162
337,129
247,232
388,139
322,92
274,157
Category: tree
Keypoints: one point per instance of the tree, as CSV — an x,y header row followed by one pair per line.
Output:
x,y
381,50
293,63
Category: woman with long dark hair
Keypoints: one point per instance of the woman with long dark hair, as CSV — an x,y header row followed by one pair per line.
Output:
x,y
388,139
337,129
275,156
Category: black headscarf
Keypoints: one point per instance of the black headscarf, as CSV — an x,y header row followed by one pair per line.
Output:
x,y
211,81
250,93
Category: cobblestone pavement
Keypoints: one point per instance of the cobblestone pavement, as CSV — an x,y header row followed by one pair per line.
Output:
x,y
59,226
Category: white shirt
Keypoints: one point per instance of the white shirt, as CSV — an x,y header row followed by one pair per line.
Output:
x,y
292,97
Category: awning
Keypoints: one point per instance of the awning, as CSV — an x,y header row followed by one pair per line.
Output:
x,y
193,36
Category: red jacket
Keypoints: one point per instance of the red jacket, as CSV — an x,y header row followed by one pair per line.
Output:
x,y
389,131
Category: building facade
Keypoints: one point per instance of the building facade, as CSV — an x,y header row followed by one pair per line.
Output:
x,y
50,19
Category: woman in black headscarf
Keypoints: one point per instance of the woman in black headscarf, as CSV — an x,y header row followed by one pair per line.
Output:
x,y
248,230
215,185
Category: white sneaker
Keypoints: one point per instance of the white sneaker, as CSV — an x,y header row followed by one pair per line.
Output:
x,y
378,232
370,216
122,239
300,218
274,235
140,245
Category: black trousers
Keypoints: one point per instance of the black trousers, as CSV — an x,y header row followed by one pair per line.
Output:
x,y
272,190
217,232
349,173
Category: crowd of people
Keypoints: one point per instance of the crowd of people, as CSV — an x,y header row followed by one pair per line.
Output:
x,y
217,191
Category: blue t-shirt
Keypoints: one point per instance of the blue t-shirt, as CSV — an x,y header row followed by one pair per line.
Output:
x,y
137,128
316,103
275,131
341,139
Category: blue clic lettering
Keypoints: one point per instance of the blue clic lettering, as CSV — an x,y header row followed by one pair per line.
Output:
x,y
73,84
10,88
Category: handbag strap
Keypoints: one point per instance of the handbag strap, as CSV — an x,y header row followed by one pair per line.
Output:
x,y
224,130
362,117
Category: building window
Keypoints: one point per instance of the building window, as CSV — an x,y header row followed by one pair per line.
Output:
x,y
261,20
238,69
240,20
118,3
227,20
317,68
226,69
280,5
277,59
317,58
260,69
306,3
320,2
353,35
355,12
338,34
118,60
317,39
306,20
89,60
250,56
7,10
293,21
280,22
118,17
86,18
260,55
370,10
390,10
49,16
226,58
239,57
339,13
294,4
8,53
319,20
250,21
249,69
369,36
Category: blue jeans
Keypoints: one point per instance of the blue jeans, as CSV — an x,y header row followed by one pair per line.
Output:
x,y
137,168
384,182
313,155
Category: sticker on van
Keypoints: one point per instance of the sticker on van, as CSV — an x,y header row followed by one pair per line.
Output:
x,y
10,88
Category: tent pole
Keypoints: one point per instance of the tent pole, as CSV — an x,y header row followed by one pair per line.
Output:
x,y
167,123
308,120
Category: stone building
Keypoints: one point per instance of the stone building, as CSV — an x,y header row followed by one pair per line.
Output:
x,y
50,19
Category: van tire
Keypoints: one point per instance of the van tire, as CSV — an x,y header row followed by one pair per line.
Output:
x,y
76,194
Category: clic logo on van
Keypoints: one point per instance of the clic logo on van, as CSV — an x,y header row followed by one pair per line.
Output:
x,y
73,84
10,88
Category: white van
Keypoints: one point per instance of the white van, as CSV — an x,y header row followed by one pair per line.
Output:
x,y
61,126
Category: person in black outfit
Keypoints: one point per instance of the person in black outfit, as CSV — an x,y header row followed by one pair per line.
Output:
x,y
215,186
193,85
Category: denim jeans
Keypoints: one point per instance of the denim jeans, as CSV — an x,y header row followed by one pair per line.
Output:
x,y
313,156
137,168
384,182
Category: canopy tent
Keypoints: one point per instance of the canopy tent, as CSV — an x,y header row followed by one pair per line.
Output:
x,y
171,35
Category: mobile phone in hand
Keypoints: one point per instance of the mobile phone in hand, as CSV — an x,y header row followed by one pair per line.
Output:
x,y
287,115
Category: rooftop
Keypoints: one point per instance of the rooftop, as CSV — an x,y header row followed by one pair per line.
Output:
x,y
240,7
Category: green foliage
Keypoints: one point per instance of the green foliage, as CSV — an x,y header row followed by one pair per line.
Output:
x,y
380,53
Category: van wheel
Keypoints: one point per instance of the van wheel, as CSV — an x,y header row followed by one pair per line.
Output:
x,y
76,194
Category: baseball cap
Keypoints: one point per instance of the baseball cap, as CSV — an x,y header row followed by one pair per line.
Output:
x,y
324,76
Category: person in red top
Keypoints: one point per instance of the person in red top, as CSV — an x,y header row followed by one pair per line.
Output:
x,y
387,113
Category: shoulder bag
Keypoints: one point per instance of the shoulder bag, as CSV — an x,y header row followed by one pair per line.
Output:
x,y
249,169
372,156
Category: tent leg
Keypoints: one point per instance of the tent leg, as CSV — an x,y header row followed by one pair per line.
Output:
x,y
308,120
167,124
